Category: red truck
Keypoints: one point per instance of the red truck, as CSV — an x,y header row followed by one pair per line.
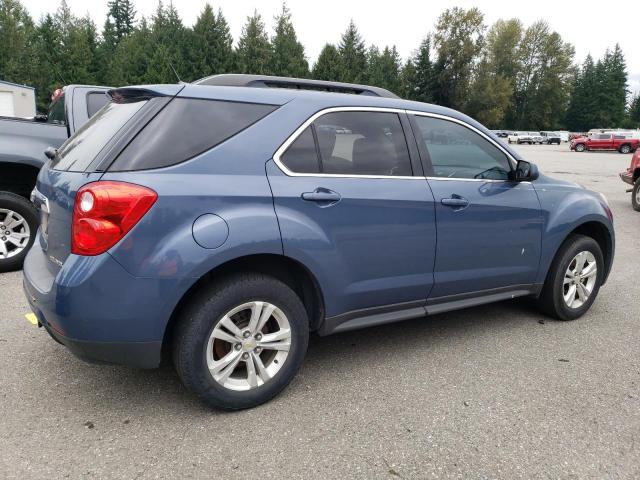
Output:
x,y
632,176
605,141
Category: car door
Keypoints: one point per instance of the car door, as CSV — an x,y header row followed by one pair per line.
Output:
x,y
488,227
353,206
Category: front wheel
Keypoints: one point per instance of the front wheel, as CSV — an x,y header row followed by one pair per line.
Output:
x,y
241,341
574,279
635,196
580,147
18,225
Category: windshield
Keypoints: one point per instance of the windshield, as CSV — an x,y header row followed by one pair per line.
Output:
x,y
82,148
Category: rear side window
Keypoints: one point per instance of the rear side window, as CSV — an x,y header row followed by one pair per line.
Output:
x,y
95,101
352,143
82,148
301,156
456,151
186,128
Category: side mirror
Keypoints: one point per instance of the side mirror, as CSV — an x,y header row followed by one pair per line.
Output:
x,y
50,153
524,172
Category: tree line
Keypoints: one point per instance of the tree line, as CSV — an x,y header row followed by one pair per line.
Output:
x,y
506,75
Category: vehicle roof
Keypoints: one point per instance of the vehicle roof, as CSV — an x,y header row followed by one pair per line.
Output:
x,y
308,100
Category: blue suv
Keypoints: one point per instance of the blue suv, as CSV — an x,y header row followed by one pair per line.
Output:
x,y
221,222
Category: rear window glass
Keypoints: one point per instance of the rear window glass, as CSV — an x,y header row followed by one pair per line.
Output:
x,y
82,148
56,112
95,101
186,128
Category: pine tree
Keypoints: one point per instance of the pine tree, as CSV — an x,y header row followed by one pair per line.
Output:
x,y
17,62
354,55
254,49
634,112
408,80
287,57
329,65
614,88
383,69
425,84
123,14
170,39
211,49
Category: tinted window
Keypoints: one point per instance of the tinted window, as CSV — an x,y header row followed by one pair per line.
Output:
x,y
185,128
95,101
301,156
362,143
81,148
458,152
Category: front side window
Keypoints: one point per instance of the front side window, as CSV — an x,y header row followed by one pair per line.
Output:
x,y
456,151
353,144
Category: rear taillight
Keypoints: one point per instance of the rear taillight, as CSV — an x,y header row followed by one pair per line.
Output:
x,y
104,212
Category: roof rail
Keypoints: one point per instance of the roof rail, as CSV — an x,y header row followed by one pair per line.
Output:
x,y
267,81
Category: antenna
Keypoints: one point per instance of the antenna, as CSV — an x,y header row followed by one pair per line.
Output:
x,y
175,73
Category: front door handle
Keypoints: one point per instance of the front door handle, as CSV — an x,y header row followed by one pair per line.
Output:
x,y
322,195
455,201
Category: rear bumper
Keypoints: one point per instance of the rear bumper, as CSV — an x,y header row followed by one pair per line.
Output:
x,y
627,177
99,311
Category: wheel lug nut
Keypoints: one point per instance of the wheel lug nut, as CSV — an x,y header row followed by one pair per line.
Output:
x,y
258,349
238,346
245,355
246,334
259,337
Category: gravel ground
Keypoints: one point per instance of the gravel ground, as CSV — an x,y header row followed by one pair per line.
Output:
x,y
498,391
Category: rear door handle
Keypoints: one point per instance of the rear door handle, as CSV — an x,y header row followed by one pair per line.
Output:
x,y
322,195
455,201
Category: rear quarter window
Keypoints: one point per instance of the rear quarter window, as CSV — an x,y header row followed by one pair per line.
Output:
x,y
185,128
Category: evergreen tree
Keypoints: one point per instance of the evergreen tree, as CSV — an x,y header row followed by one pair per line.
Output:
x,y
582,109
425,84
122,13
634,112
329,65
132,56
170,39
17,49
408,80
287,57
613,88
383,69
254,49
354,55
212,46
458,38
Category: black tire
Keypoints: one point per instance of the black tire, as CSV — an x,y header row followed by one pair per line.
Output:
x,y
635,196
24,208
205,311
626,148
580,147
551,299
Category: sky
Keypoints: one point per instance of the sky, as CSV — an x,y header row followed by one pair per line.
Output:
x,y
587,25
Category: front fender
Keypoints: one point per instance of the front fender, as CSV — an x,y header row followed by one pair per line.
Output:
x,y
565,209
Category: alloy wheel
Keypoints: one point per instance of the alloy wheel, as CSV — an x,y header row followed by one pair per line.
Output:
x,y
579,279
248,346
14,233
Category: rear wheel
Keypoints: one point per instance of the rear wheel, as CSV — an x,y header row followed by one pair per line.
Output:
x,y
635,196
625,148
18,226
574,279
241,341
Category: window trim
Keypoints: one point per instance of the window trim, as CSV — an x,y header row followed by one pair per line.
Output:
x,y
399,111
294,136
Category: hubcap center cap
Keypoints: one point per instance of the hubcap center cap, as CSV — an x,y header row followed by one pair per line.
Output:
x,y
249,344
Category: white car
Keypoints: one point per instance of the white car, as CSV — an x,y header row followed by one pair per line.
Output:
x,y
519,137
536,137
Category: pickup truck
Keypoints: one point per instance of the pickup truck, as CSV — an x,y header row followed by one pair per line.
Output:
x,y
22,152
605,141
632,176
551,137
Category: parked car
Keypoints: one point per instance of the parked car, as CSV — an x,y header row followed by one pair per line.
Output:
x,y
22,152
632,176
221,225
501,133
605,141
519,137
536,137
551,137
564,135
